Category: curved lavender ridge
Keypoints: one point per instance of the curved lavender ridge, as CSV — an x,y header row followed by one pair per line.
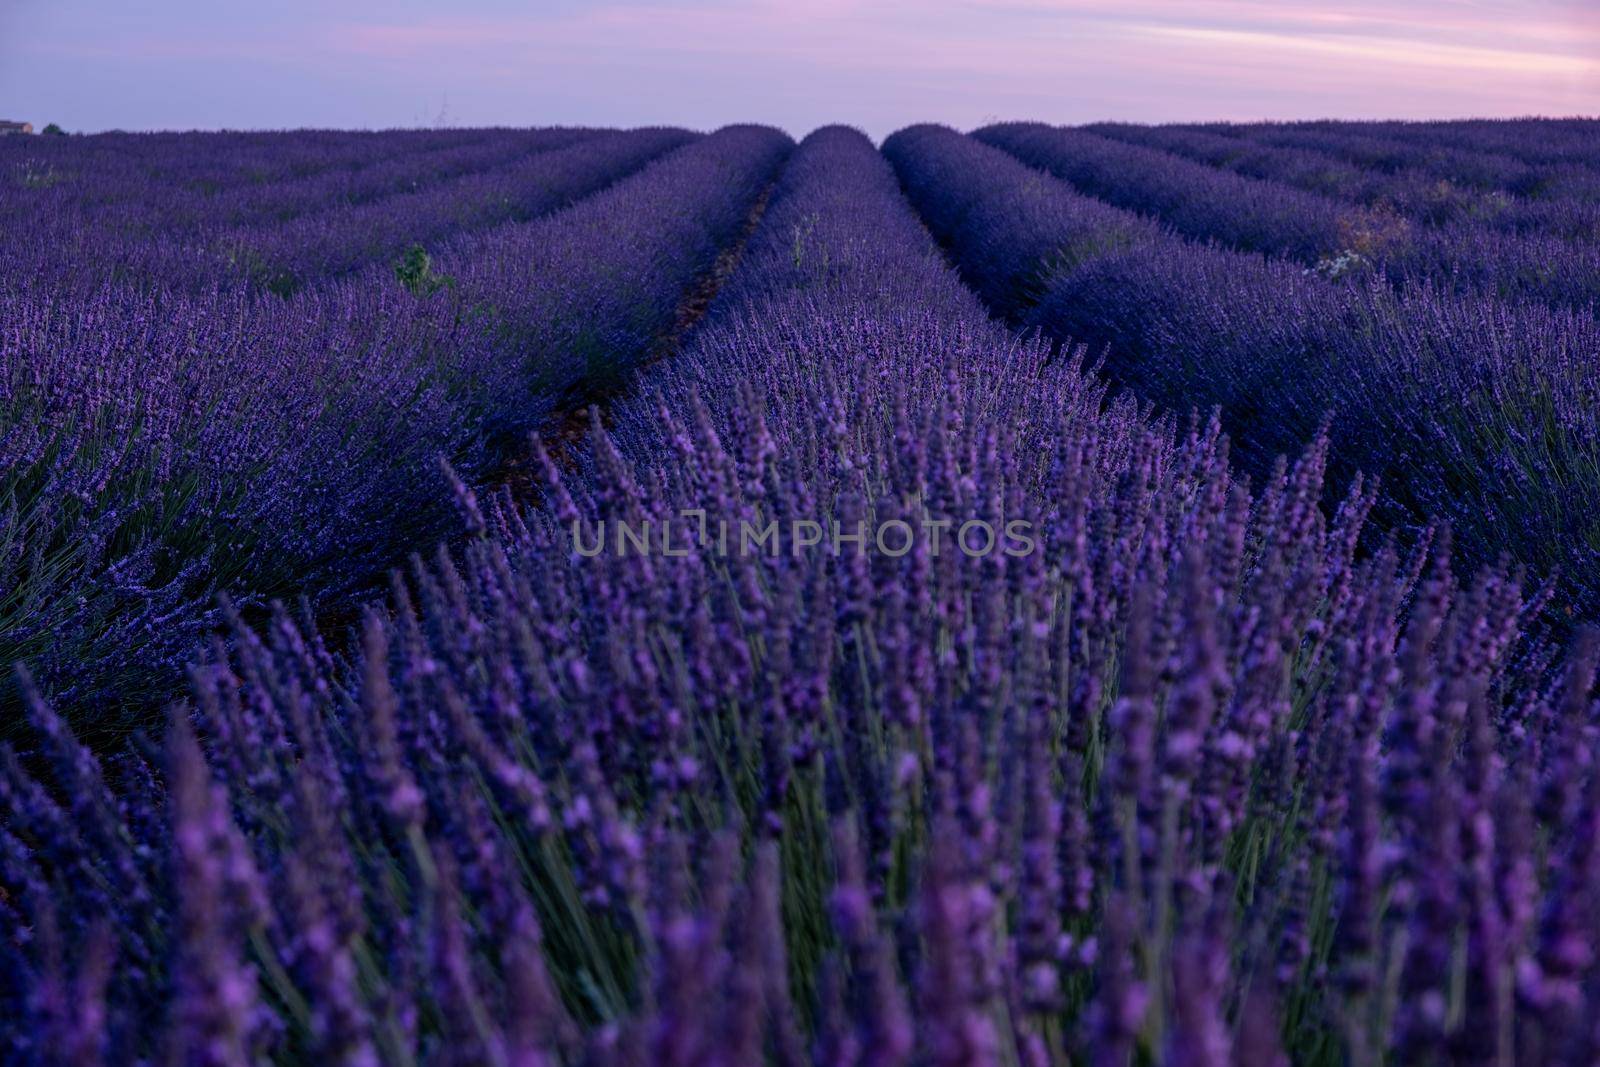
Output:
x,y
580,300
77,207
140,194
1553,142
1339,239
1191,198
1479,413
325,244
1007,240
408,171
66,245
1407,191
1561,205
1534,175
341,239
1196,752
154,451
1521,163
118,166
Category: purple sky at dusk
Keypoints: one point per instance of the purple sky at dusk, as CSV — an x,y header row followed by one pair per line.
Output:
x,y
878,64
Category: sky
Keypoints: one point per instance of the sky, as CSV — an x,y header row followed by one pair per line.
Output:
x,y
877,64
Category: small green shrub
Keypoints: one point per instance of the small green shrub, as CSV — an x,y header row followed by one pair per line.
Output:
x,y
415,271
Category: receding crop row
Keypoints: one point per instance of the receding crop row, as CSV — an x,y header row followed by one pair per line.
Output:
x,y
1337,239
122,165
1194,780
80,208
1561,209
169,208
339,236
345,237
1464,409
158,448
1541,177
1379,147
1194,200
406,172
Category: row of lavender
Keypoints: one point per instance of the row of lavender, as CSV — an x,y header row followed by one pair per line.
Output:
x,y
1529,199
117,189
1524,158
115,200
286,256
320,232
1337,238
120,166
1467,409
1190,781
156,448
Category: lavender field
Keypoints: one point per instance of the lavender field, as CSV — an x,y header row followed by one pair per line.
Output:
x,y
582,597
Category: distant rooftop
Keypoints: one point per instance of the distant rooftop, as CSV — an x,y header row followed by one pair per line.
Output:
x,y
15,127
